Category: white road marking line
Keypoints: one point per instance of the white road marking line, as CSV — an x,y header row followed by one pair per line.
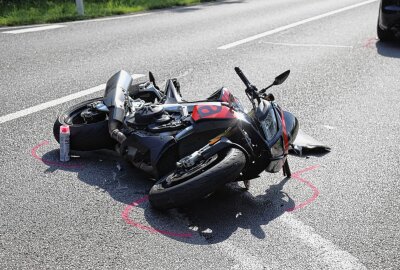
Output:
x,y
20,26
282,28
26,27
56,102
110,18
35,29
330,255
242,257
307,45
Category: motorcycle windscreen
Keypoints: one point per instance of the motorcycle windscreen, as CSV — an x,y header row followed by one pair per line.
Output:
x,y
224,95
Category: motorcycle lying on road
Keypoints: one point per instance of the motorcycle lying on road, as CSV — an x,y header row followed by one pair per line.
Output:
x,y
190,148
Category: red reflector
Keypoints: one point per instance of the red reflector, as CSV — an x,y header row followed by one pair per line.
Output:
x,y
64,129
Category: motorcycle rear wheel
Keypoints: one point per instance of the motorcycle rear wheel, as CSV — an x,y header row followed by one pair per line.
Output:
x,y
225,168
84,136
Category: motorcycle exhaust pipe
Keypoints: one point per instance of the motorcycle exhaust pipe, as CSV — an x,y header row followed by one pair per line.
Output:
x,y
114,98
114,126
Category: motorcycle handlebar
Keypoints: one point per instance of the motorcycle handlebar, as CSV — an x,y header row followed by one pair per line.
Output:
x,y
242,77
249,87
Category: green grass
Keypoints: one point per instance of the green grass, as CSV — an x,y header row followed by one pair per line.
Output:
x,y
18,12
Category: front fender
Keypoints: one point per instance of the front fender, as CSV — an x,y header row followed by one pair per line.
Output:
x,y
222,144
292,126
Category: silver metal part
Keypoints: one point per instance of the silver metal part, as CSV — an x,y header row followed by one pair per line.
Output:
x,y
184,110
190,161
101,107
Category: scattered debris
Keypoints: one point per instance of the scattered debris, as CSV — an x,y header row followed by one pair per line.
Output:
x,y
193,228
329,127
304,144
119,167
207,233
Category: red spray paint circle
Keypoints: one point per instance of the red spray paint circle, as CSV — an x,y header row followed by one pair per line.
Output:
x,y
51,162
125,213
129,208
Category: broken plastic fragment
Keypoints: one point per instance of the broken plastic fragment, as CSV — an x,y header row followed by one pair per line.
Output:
x,y
305,144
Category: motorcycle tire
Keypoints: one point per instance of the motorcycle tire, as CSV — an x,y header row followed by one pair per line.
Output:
x,y
84,136
225,168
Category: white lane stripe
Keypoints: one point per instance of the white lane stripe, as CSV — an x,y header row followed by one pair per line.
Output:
x,y
20,26
25,27
325,252
110,18
56,102
307,45
282,28
35,29
244,259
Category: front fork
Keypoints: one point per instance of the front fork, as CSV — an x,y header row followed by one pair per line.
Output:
x,y
286,169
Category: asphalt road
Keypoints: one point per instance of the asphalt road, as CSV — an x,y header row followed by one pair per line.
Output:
x,y
344,88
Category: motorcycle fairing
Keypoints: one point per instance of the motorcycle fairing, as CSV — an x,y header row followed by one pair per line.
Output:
x,y
212,110
150,149
305,144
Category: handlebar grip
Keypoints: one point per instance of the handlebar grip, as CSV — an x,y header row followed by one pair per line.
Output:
x,y
242,77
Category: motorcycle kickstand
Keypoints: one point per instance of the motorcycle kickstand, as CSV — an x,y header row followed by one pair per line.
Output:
x,y
286,169
246,184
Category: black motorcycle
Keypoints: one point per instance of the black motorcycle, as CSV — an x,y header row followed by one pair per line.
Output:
x,y
189,148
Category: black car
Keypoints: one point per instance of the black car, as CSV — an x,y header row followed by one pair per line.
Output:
x,y
389,20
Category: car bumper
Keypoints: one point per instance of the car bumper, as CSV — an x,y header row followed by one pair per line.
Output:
x,y
389,15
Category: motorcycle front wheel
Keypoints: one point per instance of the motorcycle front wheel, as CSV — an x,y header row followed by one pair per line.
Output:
x,y
84,136
180,188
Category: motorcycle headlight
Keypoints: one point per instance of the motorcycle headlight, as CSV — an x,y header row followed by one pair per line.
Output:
x,y
269,125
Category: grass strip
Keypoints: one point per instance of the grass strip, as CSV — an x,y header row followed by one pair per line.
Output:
x,y
20,12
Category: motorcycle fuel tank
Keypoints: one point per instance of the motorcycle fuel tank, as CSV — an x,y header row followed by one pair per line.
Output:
x,y
212,111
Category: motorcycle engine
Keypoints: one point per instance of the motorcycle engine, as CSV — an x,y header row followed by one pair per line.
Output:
x,y
155,119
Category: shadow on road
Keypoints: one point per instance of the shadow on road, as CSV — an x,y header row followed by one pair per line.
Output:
x,y
104,170
388,49
215,218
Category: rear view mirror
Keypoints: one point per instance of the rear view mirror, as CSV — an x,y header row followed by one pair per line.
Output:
x,y
281,78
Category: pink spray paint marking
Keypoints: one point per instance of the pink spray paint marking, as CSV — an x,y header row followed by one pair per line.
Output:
x,y
51,162
315,190
129,208
370,42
